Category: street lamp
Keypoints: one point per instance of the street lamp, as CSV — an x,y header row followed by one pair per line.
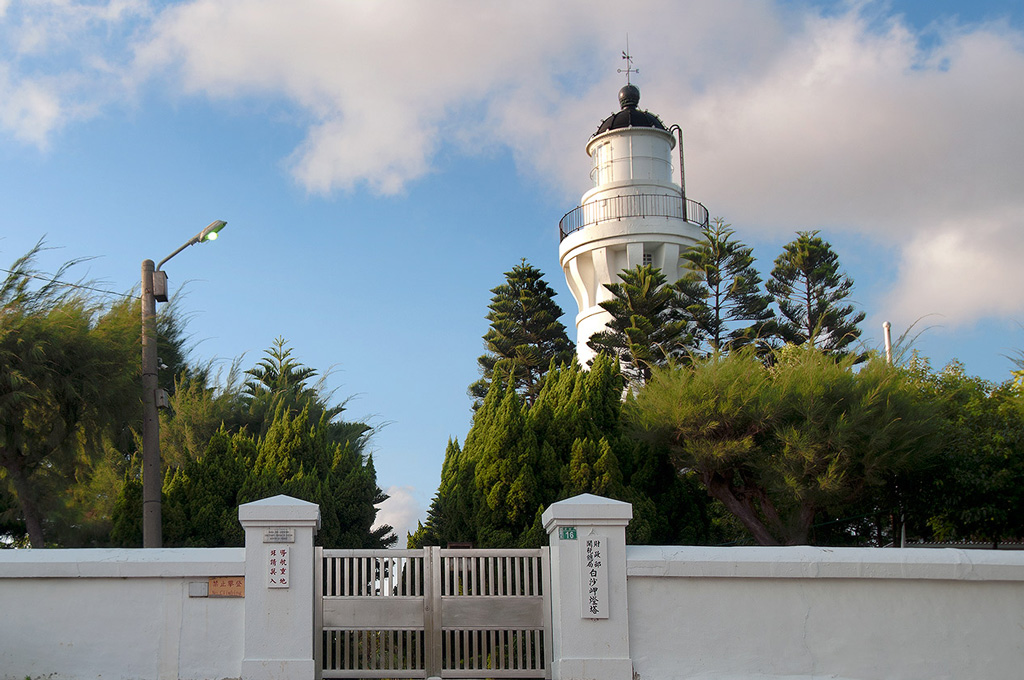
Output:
x,y
154,289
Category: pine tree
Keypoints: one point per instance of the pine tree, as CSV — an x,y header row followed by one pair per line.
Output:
x,y
647,328
721,291
525,336
280,380
811,292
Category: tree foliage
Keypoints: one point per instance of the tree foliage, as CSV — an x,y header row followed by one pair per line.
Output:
x,y
518,458
976,490
812,294
647,328
778,445
721,292
65,376
525,336
279,434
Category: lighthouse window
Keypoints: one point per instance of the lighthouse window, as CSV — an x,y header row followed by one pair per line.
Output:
x,y
648,259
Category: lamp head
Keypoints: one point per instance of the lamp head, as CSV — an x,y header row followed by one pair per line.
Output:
x,y
210,233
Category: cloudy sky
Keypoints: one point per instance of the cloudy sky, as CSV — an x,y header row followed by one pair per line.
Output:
x,y
381,164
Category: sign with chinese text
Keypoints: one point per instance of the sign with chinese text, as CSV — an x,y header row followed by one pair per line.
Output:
x,y
224,586
279,568
567,533
593,558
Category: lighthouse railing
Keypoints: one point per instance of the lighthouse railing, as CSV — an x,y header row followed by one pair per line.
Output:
x,y
629,206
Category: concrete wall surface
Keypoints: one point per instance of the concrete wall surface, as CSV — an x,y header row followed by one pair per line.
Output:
x,y
119,614
838,613
618,612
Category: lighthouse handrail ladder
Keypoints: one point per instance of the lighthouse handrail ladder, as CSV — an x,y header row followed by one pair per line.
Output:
x,y
631,205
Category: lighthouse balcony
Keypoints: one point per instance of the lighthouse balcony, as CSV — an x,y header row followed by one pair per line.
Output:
x,y
632,206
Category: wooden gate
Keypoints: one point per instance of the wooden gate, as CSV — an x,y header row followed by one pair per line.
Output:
x,y
448,613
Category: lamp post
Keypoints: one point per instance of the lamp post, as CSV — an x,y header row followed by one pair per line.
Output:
x,y
154,289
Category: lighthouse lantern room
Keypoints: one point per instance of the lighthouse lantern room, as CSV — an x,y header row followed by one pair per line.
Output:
x,y
634,214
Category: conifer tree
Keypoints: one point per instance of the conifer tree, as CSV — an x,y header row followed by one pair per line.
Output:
x,y
721,291
284,437
297,457
812,295
647,328
520,458
201,498
280,380
525,336
452,512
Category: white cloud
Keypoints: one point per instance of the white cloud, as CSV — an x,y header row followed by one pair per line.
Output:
x,y
851,127
29,110
401,511
59,62
385,85
962,274
793,120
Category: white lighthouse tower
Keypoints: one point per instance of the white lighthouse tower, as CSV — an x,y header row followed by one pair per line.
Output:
x,y
634,214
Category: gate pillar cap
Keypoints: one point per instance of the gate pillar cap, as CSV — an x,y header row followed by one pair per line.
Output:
x,y
280,510
587,509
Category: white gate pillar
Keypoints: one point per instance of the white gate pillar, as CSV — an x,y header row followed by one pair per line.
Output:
x,y
589,620
279,588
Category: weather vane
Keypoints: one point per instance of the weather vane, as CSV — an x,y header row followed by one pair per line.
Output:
x,y
629,62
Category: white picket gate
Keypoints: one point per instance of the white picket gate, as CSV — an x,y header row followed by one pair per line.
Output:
x,y
448,613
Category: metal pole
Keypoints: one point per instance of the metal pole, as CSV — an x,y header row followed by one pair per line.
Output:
x,y
682,171
152,534
152,482
886,332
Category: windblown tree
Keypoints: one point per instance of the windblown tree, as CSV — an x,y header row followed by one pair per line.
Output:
x,y
647,328
67,372
525,336
779,445
812,294
721,292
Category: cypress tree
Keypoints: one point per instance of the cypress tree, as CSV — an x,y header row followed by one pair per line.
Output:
x,y
520,458
297,458
201,498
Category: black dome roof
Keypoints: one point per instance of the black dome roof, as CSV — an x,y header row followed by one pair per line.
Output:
x,y
630,115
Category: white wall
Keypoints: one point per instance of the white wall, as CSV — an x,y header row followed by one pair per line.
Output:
x,y
118,614
847,613
690,612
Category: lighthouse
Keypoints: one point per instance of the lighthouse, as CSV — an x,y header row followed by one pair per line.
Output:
x,y
633,215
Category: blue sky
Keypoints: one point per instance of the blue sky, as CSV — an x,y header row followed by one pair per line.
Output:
x,y
380,165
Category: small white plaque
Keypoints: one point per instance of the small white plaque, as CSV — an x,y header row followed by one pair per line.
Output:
x,y
594,576
279,535
279,568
